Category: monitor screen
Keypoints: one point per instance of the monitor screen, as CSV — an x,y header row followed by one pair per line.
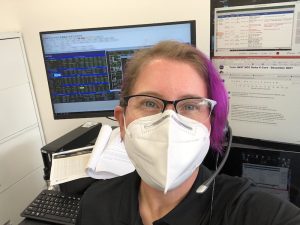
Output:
x,y
257,30
256,48
272,170
84,67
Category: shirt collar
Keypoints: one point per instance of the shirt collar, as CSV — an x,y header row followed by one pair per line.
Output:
x,y
193,209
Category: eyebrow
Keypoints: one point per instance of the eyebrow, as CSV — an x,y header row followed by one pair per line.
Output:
x,y
156,94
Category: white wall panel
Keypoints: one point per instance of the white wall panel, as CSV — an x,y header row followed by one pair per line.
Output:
x,y
17,197
12,69
19,156
17,110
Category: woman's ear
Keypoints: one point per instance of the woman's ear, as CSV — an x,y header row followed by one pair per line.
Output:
x,y
119,115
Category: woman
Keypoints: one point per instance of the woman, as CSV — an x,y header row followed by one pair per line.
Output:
x,y
174,107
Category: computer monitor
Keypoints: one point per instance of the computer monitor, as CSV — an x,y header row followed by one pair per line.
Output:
x,y
272,170
257,30
255,45
256,49
84,67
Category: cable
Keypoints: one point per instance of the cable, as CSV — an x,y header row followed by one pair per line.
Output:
x,y
110,118
202,188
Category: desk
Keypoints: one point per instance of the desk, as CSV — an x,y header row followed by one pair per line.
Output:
x,y
34,222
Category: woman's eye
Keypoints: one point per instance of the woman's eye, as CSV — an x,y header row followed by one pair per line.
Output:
x,y
150,104
194,105
191,107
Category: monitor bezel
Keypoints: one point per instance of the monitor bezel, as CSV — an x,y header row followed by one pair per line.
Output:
x,y
263,143
104,113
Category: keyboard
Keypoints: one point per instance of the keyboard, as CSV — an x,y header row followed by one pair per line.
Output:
x,y
53,206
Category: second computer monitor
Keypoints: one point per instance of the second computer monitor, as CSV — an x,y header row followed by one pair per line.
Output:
x,y
85,67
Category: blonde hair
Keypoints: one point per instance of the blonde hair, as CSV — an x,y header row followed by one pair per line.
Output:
x,y
167,49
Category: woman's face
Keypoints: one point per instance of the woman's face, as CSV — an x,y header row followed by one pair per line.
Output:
x,y
166,79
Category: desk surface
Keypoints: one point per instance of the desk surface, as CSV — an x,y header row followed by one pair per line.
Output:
x,y
35,222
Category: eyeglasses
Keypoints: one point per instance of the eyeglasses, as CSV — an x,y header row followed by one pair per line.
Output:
x,y
196,108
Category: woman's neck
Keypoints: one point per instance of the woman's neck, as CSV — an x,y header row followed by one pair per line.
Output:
x,y
154,204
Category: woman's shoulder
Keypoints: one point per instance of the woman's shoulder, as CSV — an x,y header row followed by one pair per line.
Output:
x,y
100,203
226,183
245,203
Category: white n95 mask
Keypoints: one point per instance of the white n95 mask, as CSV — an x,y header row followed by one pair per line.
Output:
x,y
166,148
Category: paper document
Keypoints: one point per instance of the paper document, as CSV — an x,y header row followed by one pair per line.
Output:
x,y
109,158
106,159
69,165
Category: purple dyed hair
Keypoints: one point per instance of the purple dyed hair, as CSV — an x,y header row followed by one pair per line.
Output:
x,y
185,53
217,92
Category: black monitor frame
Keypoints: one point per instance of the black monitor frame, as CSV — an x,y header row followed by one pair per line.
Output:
x,y
102,112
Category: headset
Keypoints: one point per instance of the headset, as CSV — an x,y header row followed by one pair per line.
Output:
x,y
203,187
